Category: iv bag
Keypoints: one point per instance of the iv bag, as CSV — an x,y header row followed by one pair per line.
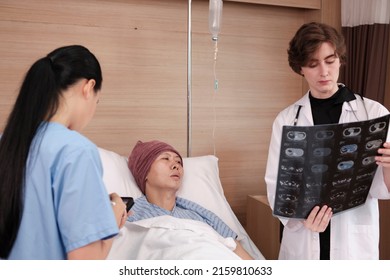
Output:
x,y
215,17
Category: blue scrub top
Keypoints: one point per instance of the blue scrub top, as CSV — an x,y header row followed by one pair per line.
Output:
x,y
66,204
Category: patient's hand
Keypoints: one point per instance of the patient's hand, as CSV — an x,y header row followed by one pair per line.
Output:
x,y
318,219
130,213
241,252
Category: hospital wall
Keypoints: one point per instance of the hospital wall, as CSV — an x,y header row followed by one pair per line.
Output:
x,y
142,47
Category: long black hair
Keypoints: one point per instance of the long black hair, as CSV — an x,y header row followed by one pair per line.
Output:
x,y
38,100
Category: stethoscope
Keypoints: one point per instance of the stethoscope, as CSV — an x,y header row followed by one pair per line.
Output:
x,y
364,105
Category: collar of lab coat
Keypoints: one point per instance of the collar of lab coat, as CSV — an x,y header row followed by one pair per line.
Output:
x,y
306,113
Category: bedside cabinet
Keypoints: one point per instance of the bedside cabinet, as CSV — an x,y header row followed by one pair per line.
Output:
x,y
262,227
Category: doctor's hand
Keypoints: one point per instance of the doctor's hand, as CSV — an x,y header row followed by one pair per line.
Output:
x,y
383,159
318,219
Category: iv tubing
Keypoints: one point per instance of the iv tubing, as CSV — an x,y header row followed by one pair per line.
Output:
x,y
215,93
189,84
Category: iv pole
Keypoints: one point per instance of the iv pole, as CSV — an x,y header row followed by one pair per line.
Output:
x,y
189,83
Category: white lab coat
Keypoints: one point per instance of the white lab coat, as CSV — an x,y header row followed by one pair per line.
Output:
x,y
355,232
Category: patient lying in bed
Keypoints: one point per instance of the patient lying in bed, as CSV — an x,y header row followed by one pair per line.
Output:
x,y
165,226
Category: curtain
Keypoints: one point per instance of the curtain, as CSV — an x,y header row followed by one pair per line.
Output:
x,y
365,26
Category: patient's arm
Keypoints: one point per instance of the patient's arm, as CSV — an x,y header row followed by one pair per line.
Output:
x,y
241,252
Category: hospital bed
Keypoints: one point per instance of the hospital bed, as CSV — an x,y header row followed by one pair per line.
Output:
x,y
171,238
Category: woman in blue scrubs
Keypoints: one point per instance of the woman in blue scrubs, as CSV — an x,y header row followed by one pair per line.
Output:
x,y
53,202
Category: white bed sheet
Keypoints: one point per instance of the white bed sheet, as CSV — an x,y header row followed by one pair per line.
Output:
x,y
169,238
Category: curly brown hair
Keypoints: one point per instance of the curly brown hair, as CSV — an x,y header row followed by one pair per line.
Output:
x,y
308,39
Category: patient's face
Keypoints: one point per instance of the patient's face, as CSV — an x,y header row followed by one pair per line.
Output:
x,y
166,173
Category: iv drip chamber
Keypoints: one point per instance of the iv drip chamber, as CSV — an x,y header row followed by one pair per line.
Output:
x,y
215,17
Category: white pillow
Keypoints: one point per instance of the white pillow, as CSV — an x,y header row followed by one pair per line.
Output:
x,y
117,176
201,184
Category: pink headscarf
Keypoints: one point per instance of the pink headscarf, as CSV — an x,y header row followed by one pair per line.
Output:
x,y
142,157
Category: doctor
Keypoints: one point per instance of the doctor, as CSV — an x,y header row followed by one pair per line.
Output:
x,y
316,52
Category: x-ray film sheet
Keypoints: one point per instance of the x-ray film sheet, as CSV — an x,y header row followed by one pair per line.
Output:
x,y
330,165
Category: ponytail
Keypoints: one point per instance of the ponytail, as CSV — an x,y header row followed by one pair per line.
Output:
x,y
37,102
